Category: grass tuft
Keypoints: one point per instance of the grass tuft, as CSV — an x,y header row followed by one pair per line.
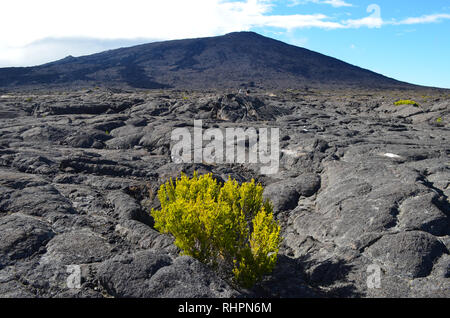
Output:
x,y
406,102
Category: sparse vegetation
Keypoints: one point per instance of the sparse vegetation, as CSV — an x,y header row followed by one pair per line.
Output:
x,y
229,227
439,120
406,102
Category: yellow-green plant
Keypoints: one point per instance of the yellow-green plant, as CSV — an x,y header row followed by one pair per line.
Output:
x,y
230,225
439,120
406,102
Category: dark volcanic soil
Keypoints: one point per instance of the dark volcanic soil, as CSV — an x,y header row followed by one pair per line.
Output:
x,y
361,182
228,61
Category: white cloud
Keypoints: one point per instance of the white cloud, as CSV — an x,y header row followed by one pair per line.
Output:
x,y
334,3
338,3
28,21
52,49
432,18
295,21
372,21
25,23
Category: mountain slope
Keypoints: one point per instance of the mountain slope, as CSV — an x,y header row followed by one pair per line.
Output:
x,y
215,62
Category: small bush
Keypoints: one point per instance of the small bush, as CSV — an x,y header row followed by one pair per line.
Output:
x,y
229,227
439,120
406,102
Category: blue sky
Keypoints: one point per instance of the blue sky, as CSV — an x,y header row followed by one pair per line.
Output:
x,y
406,40
416,51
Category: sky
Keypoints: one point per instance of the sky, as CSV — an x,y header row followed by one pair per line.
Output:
x,y
408,40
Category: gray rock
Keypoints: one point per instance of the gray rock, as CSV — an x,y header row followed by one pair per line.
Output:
x,y
80,141
39,201
150,275
21,236
407,254
420,213
76,247
361,198
143,236
360,182
127,208
285,194
187,277
129,275
10,287
125,137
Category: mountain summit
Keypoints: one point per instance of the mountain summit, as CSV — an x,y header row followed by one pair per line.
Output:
x,y
229,61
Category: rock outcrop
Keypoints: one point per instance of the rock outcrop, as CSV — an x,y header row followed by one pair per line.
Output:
x,y
362,184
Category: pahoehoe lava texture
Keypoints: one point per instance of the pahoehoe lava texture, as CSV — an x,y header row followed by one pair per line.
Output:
x,y
361,182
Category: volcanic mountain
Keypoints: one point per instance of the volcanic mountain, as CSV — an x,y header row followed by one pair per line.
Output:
x,y
229,61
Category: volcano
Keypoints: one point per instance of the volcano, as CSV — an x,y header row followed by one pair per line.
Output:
x,y
233,60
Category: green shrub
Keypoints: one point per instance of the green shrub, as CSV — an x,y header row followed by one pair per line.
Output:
x,y
229,227
439,120
406,102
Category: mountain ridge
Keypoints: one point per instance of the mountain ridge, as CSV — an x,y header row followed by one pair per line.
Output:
x,y
228,61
